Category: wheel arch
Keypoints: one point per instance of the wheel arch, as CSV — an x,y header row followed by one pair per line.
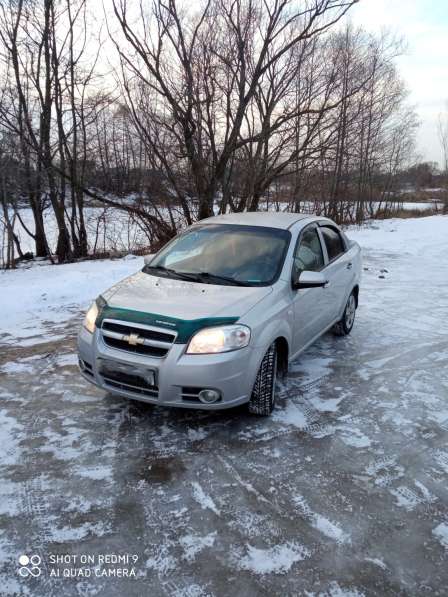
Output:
x,y
356,293
282,346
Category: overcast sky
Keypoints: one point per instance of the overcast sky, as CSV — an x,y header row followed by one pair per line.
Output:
x,y
424,25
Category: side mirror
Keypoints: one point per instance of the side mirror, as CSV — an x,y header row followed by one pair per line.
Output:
x,y
307,279
148,258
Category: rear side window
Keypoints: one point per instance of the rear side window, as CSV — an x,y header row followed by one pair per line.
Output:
x,y
333,242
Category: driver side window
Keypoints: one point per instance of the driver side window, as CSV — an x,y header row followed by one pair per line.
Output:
x,y
308,255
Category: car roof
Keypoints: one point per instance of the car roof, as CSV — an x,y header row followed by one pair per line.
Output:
x,y
271,219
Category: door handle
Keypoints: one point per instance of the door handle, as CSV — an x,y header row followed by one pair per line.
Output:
x,y
349,265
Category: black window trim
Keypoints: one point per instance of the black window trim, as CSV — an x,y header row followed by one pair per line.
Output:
x,y
313,226
341,236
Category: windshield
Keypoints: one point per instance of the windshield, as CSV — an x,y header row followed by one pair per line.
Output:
x,y
224,254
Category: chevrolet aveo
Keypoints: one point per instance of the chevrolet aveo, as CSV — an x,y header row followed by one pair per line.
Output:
x,y
221,310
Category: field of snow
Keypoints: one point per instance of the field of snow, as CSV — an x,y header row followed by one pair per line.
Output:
x,y
342,492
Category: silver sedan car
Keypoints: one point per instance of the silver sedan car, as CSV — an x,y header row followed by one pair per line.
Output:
x,y
221,310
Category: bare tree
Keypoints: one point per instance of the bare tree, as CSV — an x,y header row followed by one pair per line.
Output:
x,y
203,71
44,103
442,130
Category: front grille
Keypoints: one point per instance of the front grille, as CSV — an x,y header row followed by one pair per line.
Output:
x,y
130,383
150,342
149,334
153,351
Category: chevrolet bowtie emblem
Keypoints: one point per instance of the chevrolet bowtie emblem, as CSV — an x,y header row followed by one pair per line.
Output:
x,y
133,339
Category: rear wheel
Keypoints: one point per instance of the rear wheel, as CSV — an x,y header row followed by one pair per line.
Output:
x,y
262,399
344,327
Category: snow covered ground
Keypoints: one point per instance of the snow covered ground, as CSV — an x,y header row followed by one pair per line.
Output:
x,y
342,492
38,297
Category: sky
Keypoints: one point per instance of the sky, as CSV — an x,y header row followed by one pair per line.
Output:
x,y
424,26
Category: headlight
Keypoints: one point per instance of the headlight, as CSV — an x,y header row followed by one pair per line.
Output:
x,y
90,318
219,339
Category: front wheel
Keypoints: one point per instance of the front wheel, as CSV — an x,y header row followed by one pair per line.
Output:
x,y
262,399
344,327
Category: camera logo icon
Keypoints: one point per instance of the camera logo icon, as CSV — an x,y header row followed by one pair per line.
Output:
x,y
30,566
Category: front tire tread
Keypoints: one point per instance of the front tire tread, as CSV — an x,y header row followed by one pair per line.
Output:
x,y
263,393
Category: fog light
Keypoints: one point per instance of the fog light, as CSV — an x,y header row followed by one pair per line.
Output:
x,y
209,396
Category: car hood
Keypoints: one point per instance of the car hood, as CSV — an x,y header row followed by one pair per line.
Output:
x,y
181,299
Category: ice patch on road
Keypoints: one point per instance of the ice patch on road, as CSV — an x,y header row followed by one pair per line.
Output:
x,y
9,504
196,435
193,590
410,499
354,437
442,460
233,472
377,562
12,586
65,444
69,359
273,560
96,473
329,529
253,524
441,532
194,544
161,561
67,534
292,414
311,367
441,416
16,368
335,590
204,500
326,527
10,453
80,504
38,336
329,405
385,471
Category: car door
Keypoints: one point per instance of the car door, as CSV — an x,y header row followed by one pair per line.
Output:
x,y
338,271
309,304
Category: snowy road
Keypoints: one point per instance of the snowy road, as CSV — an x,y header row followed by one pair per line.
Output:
x,y
343,492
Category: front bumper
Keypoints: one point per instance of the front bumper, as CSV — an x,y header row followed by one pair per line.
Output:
x,y
178,376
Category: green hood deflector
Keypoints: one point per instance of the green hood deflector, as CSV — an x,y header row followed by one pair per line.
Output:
x,y
185,328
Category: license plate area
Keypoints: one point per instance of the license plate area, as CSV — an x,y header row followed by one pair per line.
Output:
x,y
123,373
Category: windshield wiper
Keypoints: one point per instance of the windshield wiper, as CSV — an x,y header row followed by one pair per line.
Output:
x,y
205,277
218,278
173,272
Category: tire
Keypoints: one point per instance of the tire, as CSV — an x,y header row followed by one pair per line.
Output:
x,y
344,327
262,399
